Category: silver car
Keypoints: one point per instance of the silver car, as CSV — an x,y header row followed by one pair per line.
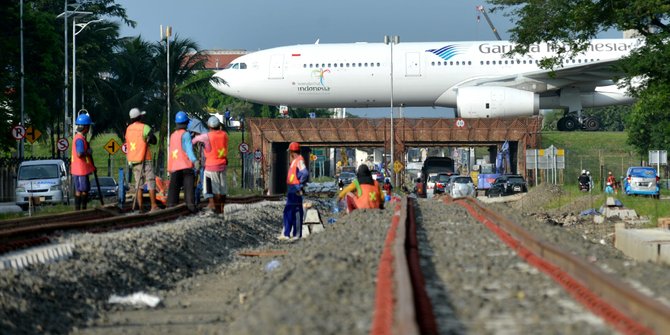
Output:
x,y
461,186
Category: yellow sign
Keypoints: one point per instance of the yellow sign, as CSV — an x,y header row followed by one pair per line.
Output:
x,y
32,134
112,146
312,157
397,166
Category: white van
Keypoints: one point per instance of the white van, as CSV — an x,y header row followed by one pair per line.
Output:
x,y
47,181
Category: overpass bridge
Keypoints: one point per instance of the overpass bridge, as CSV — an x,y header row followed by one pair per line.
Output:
x,y
272,137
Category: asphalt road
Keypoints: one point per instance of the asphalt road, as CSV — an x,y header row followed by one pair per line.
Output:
x,y
9,207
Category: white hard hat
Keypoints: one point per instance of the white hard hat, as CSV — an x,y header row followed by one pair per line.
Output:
x,y
213,122
135,112
583,171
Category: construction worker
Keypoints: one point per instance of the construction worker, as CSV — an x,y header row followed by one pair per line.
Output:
x,y
363,192
138,137
295,181
216,161
611,181
181,162
82,162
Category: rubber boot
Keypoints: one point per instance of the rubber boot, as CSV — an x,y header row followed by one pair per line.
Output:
x,y
77,202
84,200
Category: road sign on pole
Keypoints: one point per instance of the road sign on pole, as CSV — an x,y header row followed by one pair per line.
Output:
x,y
18,132
63,144
244,148
32,134
258,155
112,146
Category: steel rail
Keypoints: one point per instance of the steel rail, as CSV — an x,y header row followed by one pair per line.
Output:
x,y
619,304
402,305
36,230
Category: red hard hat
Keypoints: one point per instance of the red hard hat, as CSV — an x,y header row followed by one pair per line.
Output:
x,y
294,146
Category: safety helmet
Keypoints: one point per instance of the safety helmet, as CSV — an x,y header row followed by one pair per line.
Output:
x,y
294,146
181,117
213,122
83,120
583,171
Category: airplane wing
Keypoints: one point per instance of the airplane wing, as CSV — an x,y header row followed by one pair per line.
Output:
x,y
585,76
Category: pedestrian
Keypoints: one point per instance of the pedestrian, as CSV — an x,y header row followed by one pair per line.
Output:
x,y
216,162
295,180
138,138
583,181
82,162
611,181
181,162
367,191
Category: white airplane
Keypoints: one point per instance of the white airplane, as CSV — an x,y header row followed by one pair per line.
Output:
x,y
476,78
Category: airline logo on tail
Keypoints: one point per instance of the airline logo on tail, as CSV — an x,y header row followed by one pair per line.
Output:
x,y
448,51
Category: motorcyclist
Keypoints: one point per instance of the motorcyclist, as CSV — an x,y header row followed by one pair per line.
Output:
x,y
583,181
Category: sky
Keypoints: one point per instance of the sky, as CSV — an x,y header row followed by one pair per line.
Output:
x,y
260,24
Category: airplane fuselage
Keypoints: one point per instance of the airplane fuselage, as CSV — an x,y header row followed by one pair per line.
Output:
x,y
420,74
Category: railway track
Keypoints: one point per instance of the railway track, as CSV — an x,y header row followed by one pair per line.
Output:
x,y
20,233
402,305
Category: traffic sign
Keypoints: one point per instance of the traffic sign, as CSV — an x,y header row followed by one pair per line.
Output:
x,y
258,155
112,146
32,134
460,123
244,148
18,132
62,144
124,148
397,166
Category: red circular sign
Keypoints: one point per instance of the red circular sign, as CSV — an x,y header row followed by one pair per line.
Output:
x,y
258,155
460,123
244,148
63,144
124,148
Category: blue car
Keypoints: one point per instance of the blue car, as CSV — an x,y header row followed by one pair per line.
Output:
x,y
642,180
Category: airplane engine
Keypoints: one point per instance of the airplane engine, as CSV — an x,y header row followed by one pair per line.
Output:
x,y
495,102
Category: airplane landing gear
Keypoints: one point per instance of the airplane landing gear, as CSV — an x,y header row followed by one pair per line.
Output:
x,y
571,122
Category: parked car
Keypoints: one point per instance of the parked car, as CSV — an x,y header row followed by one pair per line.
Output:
x,y
461,186
345,178
641,180
108,187
378,176
45,181
506,185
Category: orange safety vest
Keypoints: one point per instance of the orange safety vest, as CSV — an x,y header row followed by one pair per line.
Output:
x,y
80,166
292,177
135,143
368,195
218,140
177,158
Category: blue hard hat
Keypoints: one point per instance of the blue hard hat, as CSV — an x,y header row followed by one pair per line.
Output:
x,y
181,117
83,120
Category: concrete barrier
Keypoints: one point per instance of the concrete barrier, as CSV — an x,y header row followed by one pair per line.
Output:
x,y
643,244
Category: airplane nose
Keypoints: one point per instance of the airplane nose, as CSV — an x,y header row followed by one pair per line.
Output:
x,y
219,82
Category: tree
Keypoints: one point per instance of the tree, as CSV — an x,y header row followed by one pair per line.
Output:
x,y
571,24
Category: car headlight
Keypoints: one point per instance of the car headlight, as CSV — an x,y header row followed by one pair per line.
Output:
x,y
20,189
54,188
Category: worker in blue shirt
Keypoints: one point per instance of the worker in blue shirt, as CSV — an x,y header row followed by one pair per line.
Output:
x,y
181,164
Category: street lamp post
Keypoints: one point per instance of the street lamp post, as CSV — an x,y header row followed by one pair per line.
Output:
x,y
74,64
168,34
391,40
241,153
65,15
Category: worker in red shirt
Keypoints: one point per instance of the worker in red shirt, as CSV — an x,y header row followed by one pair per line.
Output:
x,y
82,163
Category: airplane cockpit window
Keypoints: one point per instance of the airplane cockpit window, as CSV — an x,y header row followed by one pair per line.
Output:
x,y
243,66
230,65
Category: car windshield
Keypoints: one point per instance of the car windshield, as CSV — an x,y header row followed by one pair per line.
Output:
x,y
442,178
347,175
106,182
46,171
516,180
463,180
